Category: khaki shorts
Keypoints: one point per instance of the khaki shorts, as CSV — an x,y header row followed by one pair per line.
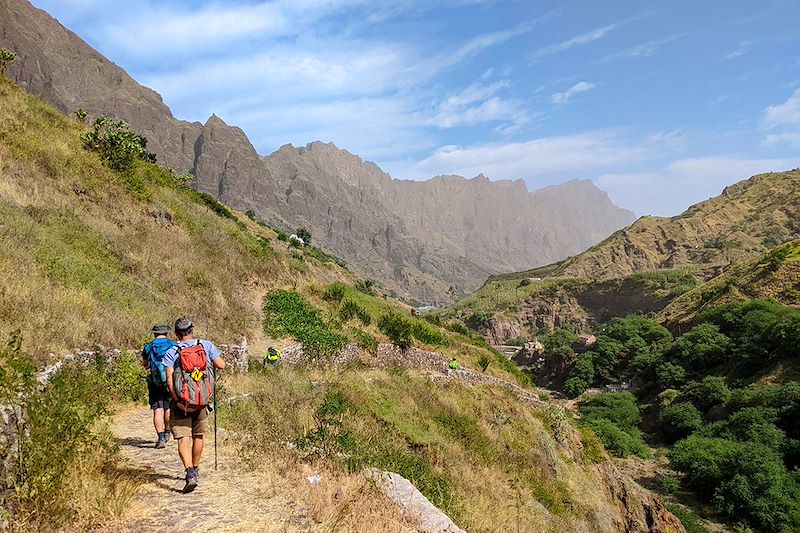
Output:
x,y
192,424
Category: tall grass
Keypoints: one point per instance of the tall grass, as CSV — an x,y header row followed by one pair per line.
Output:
x,y
66,470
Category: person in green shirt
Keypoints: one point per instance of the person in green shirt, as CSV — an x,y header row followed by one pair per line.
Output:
x,y
453,365
272,357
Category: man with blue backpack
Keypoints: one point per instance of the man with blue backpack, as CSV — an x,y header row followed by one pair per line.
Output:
x,y
157,391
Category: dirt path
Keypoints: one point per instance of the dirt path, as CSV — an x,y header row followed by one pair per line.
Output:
x,y
230,499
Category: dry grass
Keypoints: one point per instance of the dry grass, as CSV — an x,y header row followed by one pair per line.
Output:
x,y
487,460
89,259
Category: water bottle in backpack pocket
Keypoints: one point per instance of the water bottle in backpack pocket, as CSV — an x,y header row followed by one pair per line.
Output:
x,y
193,380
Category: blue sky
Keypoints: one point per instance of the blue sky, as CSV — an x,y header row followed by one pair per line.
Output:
x,y
662,104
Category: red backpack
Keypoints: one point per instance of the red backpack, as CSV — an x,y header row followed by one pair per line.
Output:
x,y
193,380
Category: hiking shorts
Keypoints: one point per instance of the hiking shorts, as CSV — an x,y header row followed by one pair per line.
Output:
x,y
191,424
157,396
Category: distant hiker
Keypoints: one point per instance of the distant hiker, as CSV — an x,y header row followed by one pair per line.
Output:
x,y
191,367
157,392
453,366
272,357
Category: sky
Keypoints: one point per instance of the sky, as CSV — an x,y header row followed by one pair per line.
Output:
x,y
661,104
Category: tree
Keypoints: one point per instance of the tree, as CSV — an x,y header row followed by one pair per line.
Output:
x,y
680,420
711,392
670,376
116,143
81,115
701,348
559,343
6,58
304,234
397,328
743,480
607,352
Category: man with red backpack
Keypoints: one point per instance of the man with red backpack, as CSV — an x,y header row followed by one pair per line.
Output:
x,y
191,367
157,392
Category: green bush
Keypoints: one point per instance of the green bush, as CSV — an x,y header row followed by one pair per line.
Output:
x,y
118,146
744,480
701,348
457,327
366,341
690,522
518,341
335,292
6,57
351,309
614,418
559,343
616,441
711,392
427,334
670,375
670,484
397,328
484,361
679,420
288,313
574,387
127,380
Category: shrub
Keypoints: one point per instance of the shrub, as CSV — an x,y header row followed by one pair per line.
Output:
x,y
592,445
518,341
351,309
6,58
397,328
744,480
751,424
479,321
212,203
118,146
366,341
427,334
304,234
365,285
457,327
483,362
670,484
670,375
701,348
616,441
335,292
574,387
679,420
288,313
710,392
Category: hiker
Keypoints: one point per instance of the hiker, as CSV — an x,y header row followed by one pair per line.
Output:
x,y
157,392
453,366
272,357
191,367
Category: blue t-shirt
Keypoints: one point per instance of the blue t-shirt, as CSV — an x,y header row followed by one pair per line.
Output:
x,y
172,360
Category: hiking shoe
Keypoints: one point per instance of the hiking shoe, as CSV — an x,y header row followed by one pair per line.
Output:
x,y
161,443
191,482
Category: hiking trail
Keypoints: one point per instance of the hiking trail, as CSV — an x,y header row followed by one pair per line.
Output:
x,y
230,499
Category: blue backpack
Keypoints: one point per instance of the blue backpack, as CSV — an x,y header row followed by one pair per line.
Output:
x,y
155,351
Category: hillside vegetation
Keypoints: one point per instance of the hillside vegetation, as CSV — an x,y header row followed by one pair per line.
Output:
x,y
723,396
93,256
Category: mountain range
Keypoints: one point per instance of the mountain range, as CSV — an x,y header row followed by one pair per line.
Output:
x,y
430,241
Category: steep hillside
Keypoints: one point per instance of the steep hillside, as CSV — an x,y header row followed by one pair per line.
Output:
x,y
748,218
644,267
416,239
92,256
773,276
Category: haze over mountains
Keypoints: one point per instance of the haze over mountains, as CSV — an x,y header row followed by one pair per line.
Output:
x,y
431,241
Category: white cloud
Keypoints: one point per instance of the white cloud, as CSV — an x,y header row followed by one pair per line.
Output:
x,y
578,40
479,103
785,114
777,139
641,50
673,188
549,157
580,87
739,51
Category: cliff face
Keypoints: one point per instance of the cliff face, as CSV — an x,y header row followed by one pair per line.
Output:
x,y
431,241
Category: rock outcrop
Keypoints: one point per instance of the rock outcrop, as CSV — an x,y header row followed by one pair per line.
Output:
x,y
430,241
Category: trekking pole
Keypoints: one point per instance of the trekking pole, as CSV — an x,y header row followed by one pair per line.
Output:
x,y
215,422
